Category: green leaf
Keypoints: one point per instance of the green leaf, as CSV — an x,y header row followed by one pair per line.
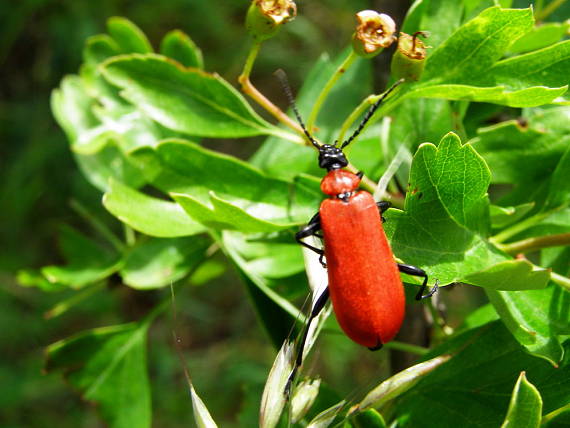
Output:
x,y
473,388
511,275
223,192
445,213
99,48
369,418
190,101
128,36
179,46
477,45
467,65
400,383
525,153
95,144
156,263
537,318
151,216
540,37
525,409
87,261
108,366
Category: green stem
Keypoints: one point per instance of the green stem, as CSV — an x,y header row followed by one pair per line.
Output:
x,y
76,298
406,347
560,280
546,419
519,227
536,243
130,237
250,90
329,85
356,113
548,10
97,224
250,60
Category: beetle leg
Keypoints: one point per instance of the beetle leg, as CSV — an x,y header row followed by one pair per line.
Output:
x,y
315,311
383,206
416,271
311,229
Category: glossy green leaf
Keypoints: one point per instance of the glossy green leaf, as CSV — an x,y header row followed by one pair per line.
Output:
x,y
151,216
156,263
474,387
525,153
468,66
99,48
525,408
95,144
128,36
87,261
223,192
511,275
539,319
190,101
540,37
445,213
400,383
108,366
179,46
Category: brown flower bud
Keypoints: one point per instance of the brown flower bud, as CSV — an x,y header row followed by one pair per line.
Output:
x,y
375,31
265,17
409,59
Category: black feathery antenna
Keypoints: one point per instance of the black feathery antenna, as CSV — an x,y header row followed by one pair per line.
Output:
x,y
287,89
370,113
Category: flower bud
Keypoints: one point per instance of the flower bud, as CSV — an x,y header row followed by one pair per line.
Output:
x,y
374,32
265,17
409,59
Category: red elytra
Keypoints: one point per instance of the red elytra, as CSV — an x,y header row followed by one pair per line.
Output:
x,y
364,282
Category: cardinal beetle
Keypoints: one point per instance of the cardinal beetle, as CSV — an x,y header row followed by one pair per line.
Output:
x,y
364,281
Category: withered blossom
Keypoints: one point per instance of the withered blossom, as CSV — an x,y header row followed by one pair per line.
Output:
x,y
265,17
374,32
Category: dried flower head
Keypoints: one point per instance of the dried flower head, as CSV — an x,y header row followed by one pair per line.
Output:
x,y
409,59
374,32
279,11
265,17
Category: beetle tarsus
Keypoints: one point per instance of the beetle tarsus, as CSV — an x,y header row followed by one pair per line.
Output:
x,y
416,271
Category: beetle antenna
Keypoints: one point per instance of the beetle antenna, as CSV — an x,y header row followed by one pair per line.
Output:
x,y
287,89
371,112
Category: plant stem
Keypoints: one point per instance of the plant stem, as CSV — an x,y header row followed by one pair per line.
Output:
x,y
536,243
356,113
76,298
406,347
561,280
130,237
341,69
519,227
97,224
250,90
541,15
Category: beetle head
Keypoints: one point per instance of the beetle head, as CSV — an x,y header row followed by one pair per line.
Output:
x,y
331,157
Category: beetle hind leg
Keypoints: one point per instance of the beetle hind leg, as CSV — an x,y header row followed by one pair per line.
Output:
x,y
312,229
416,271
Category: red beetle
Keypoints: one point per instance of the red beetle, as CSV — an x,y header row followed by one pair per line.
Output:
x,y
364,279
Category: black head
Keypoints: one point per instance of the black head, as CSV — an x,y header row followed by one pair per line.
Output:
x,y
331,157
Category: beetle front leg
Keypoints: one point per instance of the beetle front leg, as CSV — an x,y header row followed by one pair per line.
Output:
x,y
416,271
382,207
311,229
315,311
